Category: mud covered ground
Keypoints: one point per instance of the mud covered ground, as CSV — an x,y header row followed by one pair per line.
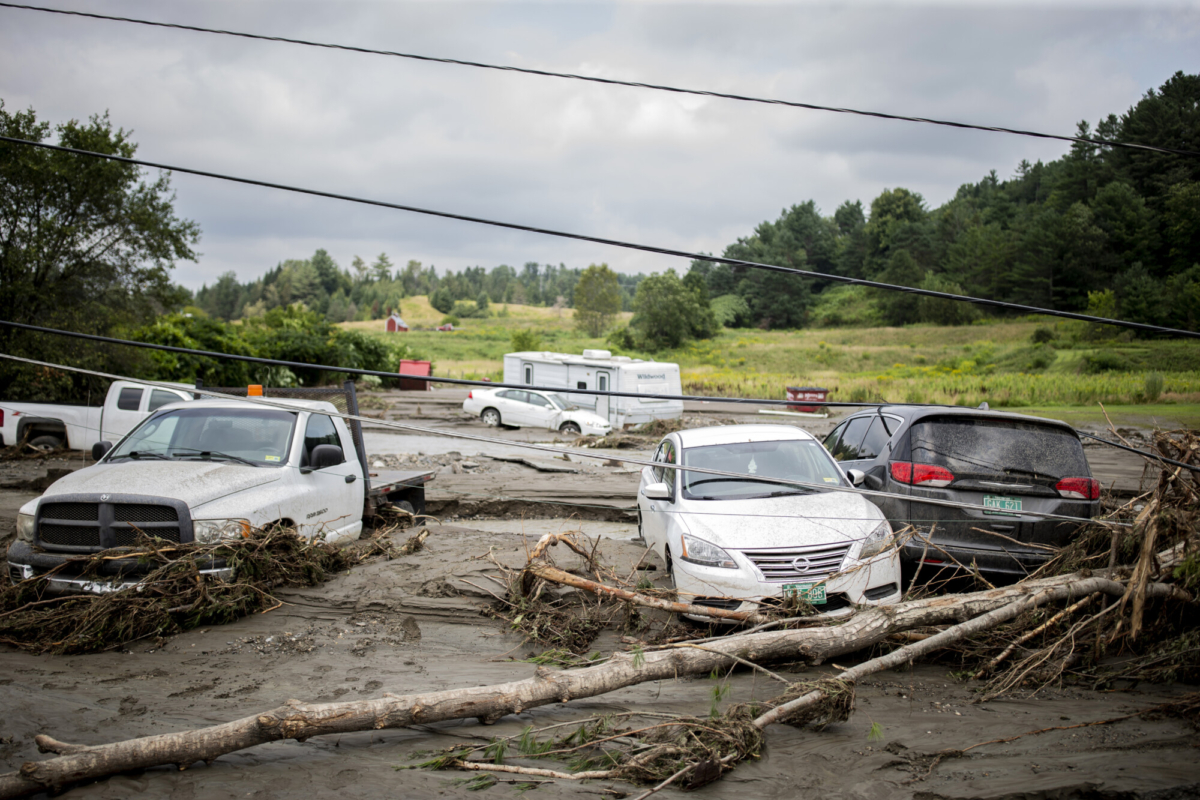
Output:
x,y
414,624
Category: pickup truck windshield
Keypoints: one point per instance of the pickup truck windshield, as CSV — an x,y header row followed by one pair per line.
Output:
x,y
258,437
803,460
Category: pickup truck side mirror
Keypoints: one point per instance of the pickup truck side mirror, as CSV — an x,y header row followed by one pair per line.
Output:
x,y
100,449
657,491
324,455
856,476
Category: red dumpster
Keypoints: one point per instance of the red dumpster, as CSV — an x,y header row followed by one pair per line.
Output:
x,y
806,393
408,367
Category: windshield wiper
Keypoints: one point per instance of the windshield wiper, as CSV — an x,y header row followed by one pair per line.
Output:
x,y
208,455
137,455
730,480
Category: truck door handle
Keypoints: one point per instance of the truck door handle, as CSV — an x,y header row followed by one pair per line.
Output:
x,y
351,478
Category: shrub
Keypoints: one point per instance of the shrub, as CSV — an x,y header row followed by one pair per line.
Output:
x,y
1042,334
1103,361
449,319
1154,386
442,300
526,340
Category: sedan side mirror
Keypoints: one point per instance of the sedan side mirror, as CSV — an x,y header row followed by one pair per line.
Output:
x,y
857,476
325,455
657,491
100,449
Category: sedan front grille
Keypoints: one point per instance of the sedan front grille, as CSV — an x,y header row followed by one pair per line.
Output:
x,y
798,564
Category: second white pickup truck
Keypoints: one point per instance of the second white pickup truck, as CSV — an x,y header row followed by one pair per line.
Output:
x,y
200,472
50,426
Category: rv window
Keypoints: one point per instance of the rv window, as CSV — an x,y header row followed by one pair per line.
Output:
x,y
528,374
580,384
603,385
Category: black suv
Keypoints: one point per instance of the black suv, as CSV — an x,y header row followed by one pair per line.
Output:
x,y
1004,463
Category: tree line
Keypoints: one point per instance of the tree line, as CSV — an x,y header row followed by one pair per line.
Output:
x,y
372,291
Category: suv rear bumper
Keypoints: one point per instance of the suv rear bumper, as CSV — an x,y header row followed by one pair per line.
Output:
x,y
1014,561
25,563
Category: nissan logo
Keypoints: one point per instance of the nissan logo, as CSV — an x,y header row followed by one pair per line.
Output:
x,y
104,498
802,565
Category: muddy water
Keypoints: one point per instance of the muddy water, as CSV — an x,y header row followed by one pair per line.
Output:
x,y
414,624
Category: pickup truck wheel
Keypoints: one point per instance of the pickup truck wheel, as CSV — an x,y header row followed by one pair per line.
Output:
x,y
45,444
570,429
490,417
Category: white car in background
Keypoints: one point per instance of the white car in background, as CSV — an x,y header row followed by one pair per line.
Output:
x,y
735,542
535,409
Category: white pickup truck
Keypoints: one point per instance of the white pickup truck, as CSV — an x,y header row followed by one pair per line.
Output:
x,y
202,471
49,426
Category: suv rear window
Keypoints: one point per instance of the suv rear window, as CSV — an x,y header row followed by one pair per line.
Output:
x,y
977,446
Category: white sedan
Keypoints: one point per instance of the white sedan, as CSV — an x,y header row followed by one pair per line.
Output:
x,y
526,407
735,542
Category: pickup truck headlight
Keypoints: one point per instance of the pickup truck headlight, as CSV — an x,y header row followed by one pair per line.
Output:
x,y
25,527
208,531
877,541
698,551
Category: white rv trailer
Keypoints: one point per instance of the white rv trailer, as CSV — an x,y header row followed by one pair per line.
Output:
x,y
600,369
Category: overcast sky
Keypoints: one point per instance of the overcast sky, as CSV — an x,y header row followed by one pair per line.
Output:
x,y
649,167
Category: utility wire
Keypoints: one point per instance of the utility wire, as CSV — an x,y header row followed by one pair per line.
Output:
x,y
609,81
284,406
735,262
557,389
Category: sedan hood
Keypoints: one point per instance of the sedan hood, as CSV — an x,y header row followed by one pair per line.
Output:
x,y
193,482
792,521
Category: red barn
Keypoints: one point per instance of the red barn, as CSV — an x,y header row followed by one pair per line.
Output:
x,y
394,324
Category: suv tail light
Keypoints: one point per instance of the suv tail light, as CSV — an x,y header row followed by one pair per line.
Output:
x,y
921,474
1079,488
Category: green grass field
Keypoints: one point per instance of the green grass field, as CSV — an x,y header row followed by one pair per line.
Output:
x,y
967,365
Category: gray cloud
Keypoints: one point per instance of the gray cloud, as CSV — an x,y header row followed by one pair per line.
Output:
x,y
680,172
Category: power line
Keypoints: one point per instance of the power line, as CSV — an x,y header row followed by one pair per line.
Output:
x,y
493,385
608,81
666,251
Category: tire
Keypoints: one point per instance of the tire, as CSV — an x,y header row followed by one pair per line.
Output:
x,y
490,417
46,443
570,429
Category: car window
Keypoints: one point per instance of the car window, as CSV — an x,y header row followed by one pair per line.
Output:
x,y
875,440
831,441
801,460
847,448
159,398
518,395
130,398
892,424
538,400
669,458
984,447
320,430
658,456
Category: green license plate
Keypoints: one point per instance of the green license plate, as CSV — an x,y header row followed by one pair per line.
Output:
x,y
812,592
1001,506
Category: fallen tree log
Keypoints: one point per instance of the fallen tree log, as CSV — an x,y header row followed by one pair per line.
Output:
x,y
301,721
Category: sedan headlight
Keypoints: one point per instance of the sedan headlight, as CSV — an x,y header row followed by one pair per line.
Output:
x,y
877,541
208,531
698,551
25,527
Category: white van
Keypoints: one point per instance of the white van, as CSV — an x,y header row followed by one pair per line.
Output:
x,y
600,369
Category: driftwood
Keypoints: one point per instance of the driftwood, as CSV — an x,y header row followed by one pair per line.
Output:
x,y
300,721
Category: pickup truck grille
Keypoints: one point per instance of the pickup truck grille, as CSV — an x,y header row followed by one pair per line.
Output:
x,y
798,563
92,526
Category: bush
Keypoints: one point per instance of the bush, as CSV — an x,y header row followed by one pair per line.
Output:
x,y
1042,335
1154,386
732,311
1103,361
441,300
622,339
465,309
369,383
524,341
449,319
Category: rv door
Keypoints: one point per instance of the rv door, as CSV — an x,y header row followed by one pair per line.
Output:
x,y
603,382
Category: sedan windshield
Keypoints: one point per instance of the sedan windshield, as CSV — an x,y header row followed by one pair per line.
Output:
x,y
803,460
253,436
557,400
